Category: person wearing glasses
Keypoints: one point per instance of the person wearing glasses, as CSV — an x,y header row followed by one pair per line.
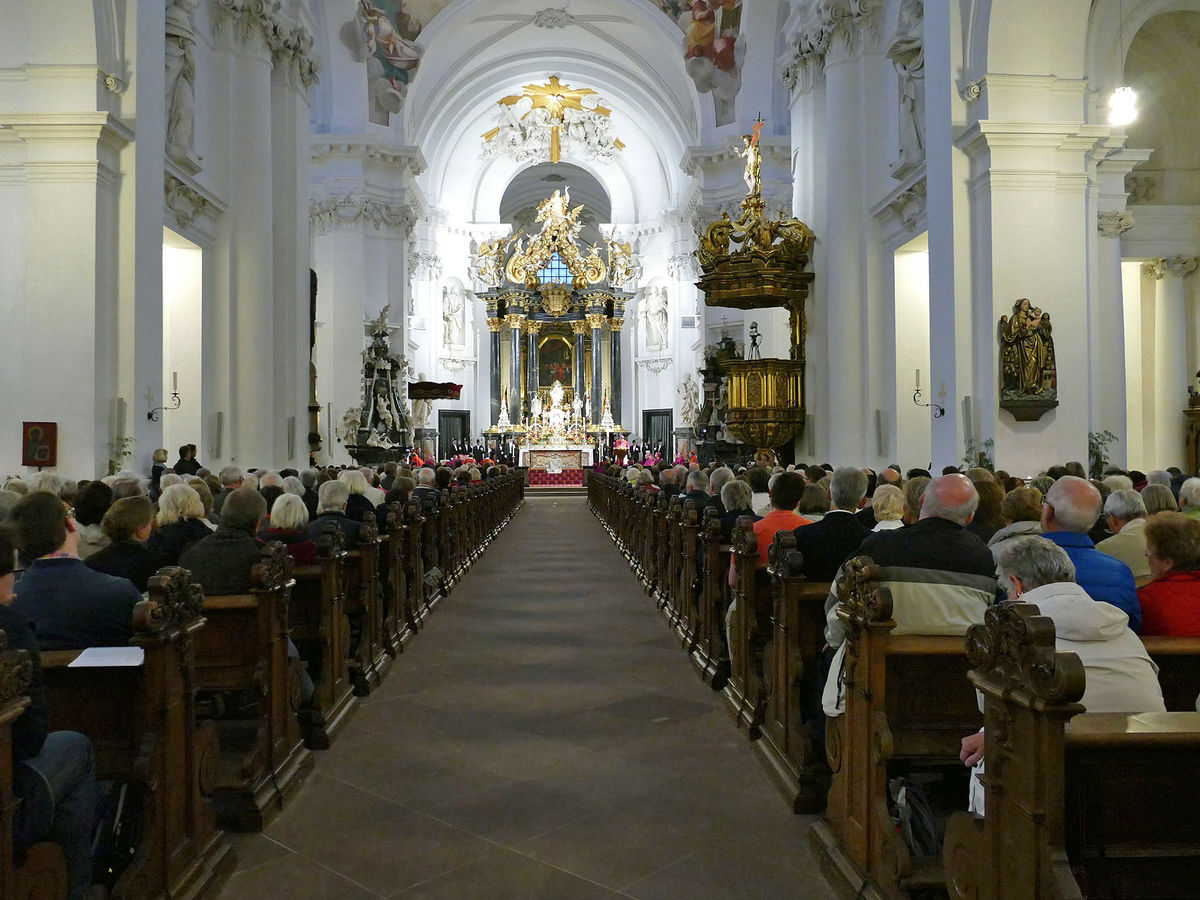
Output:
x,y
70,605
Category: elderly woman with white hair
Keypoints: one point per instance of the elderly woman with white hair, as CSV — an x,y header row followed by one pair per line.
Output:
x,y
359,505
288,521
888,505
179,523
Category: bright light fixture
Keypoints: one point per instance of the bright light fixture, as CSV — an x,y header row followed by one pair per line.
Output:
x,y
1122,106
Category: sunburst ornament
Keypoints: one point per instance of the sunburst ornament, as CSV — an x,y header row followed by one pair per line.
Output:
x,y
539,120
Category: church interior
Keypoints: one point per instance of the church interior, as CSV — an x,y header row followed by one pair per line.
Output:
x,y
526,362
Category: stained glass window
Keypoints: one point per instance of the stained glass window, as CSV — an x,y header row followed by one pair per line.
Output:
x,y
555,271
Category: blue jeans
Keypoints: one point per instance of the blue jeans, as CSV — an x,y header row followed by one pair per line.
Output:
x,y
60,800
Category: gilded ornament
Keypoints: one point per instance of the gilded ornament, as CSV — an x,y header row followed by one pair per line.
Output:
x,y
514,320
579,327
565,112
560,231
495,324
596,320
532,326
616,324
556,299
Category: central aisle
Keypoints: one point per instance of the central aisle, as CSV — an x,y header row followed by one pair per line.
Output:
x,y
543,736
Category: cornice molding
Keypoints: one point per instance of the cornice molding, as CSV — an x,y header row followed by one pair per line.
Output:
x,y
357,211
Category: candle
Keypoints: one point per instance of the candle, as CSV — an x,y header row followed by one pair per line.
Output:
x,y
174,382
918,379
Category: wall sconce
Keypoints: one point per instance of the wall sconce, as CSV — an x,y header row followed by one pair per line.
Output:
x,y
175,401
937,409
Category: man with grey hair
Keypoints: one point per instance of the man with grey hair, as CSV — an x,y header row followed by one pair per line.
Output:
x,y
270,479
1121,677
1159,476
697,492
231,479
426,488
667,483
1125,514
1189,498
331,513
1071,509
373,493
829,542
719,477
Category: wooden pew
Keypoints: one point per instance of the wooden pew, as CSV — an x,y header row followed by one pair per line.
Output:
x,y
243,648
662,549
41,871
683,618
142,724
434,553
415,607
321,631
398,627
1178,660
1091,804
364,610
743,627
908,706
710,655
669,584
792,742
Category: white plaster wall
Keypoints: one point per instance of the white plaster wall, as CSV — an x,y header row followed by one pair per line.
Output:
x,y
910,441
182,341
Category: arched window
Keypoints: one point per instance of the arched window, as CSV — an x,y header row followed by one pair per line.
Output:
x,y
555,271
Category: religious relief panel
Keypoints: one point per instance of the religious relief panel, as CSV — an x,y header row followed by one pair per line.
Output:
x,y
653,313
181,83
454,317
713,48
1028,377
383,35
907,53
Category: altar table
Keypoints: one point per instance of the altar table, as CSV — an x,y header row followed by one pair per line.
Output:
x,y
556,457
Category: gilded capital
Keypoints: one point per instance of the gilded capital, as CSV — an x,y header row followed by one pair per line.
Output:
x,y
596,320
495,324
515,320
579,327
615,323
533,326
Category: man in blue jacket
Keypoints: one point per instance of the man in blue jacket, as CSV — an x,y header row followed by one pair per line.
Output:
x,y
1071,509
71,606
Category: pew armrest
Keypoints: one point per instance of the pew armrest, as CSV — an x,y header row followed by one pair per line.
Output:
x,y
230,601
1177,729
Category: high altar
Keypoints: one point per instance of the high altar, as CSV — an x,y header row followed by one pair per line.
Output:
x,y
555,390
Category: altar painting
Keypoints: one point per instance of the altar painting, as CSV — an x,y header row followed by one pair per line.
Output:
x,y
555,362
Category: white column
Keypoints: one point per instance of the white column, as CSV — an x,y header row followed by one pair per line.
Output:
x,y
1107,378
844,264
250,218
1171,374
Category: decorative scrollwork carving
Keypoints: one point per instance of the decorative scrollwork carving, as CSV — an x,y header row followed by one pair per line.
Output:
x,y
275,569
174,599
1014,650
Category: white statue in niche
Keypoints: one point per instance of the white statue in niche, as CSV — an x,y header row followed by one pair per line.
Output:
x,y
454,308
180,79
907,54
654,314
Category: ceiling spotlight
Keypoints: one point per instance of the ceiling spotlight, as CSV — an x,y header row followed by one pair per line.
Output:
x,y
1122,106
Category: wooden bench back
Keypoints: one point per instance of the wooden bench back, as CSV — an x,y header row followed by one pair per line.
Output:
x,y
1103,802
142,724
906,697
1178,660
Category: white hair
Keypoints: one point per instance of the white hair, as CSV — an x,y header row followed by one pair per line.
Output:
x,y
270,479
168,479
1076,503
736,495
230,475
332,496
293,485
289,513
179,501
1189,494
354,480
1159,476
426,476
48,482
1118,483
1035,561
720,477
1125,505
250,480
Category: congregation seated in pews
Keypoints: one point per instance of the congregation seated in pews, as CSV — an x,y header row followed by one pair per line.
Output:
x,y
842,647
193,716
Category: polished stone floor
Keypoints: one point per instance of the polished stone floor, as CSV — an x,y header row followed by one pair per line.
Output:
x,y
543,737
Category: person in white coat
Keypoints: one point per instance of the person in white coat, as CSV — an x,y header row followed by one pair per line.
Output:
x,y
1121,677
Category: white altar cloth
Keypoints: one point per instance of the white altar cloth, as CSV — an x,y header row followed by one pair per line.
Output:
x,y
585,451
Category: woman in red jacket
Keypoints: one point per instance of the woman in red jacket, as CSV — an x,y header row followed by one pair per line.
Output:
x,y
1171,601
